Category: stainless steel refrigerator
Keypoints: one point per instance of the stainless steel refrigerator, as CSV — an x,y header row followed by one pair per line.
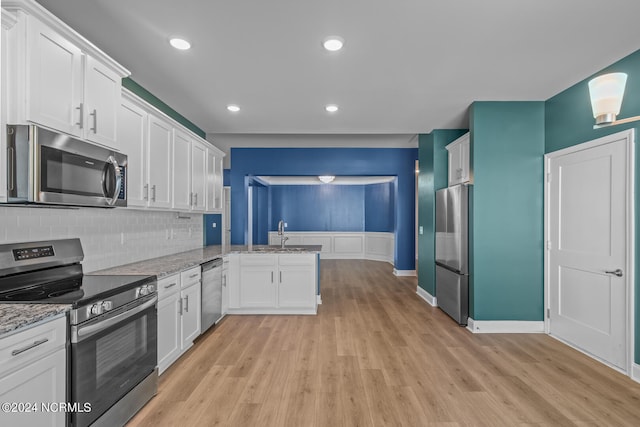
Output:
x,y
452,251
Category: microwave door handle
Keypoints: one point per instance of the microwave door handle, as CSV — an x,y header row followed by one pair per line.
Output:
x,y
112,198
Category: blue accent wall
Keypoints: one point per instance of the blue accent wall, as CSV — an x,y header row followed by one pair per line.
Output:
x,y
226,177
378,207
212,235
398,162
260,214
569,121
433,175
318,207
507,145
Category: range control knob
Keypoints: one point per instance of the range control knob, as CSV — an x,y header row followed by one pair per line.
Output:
x,y
143,290
96,309
107,305
151,288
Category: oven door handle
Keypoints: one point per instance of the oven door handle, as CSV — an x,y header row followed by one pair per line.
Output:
x,y
79,333
112,198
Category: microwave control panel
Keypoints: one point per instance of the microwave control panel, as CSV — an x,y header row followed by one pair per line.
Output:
x,y
32,253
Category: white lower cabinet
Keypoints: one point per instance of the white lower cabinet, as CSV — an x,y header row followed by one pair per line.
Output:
x,y
33,372
272,284
178,315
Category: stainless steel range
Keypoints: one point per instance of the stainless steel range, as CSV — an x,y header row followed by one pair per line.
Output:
x,y
112,332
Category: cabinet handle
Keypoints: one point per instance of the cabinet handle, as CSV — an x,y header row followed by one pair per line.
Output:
x,y
196,195
281,277
180,307
95,121
186,305
29,347
153,193
190,199
224,281
272,277
146,192
193,275
170,286
11,156
81,120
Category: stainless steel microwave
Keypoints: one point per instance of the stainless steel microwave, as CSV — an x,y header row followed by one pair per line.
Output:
x,y
47,167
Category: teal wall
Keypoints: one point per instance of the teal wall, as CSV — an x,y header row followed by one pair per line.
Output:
x,y
569,121
160,105
433,161
507,145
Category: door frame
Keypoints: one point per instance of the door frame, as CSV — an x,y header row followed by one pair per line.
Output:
x,y
629,136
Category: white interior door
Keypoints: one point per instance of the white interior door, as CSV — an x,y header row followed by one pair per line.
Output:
x,y
587,229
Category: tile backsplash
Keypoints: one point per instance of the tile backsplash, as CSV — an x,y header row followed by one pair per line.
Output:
x,y
109,237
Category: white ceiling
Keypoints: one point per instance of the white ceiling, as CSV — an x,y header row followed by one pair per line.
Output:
x,y
313,180
407,66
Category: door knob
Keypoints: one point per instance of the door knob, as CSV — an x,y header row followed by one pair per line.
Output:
x,y
617,272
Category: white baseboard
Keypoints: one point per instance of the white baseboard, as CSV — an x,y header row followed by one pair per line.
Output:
x,y
319,299
431,300
404,272
505,326
635,372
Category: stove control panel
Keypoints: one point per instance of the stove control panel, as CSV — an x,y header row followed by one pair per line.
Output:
x,y
99,308
32,253
145,290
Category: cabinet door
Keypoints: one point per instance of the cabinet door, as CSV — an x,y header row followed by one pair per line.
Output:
x,y
159,162
258,287
132,121
465,165
54,88
169,330
102,89
211,181
454,164
42,381
225,291
218,183
181,171
297,281
198,176
190,314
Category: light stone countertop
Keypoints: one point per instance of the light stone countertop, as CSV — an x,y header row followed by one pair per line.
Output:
x,y
170,264
17,316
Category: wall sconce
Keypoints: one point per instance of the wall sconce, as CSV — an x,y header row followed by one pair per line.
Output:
x,y
606,92
326,178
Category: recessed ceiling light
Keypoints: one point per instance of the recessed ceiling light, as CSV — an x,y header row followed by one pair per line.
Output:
x,y
233,108
331,108
179,43
333,43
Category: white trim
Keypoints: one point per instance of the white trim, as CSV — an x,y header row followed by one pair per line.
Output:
x,y
319,299
403,273
273,311
9,19
635,372
430,299
505,326
629,135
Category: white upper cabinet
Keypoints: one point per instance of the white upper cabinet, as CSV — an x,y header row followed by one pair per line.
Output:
x,y
459,161
132,136
102,88
54,83
214,180
181,170
198,175
159,162
58,79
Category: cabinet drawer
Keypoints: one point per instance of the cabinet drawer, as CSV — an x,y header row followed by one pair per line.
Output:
x,y
168,285
32,344
306,259
258,259
190,276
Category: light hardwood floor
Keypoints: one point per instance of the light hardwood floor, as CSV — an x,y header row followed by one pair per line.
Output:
x,y
378,355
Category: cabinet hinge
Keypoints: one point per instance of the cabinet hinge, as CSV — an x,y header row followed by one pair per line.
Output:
x,y
548,244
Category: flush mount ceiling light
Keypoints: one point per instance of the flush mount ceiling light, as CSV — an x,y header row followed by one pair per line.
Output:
x,y
606,92
180,44
333,43
331,108
326,178
233,108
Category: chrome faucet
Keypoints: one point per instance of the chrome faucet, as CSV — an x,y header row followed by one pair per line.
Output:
x,y
283,238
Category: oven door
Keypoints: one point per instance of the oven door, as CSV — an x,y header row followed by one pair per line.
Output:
x,y
70,171
110,355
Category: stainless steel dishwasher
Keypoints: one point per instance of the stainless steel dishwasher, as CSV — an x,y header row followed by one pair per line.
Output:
x,y
211,293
